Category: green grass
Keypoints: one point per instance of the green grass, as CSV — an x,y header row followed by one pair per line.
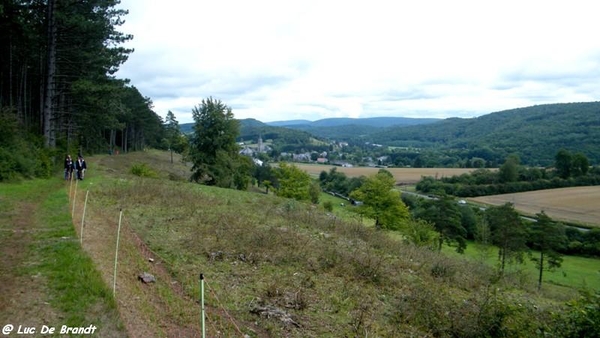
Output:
x,y
575,271
75,287
72,276
343,211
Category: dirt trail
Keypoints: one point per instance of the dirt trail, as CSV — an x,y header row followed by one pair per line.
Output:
x,y
24,299
143,309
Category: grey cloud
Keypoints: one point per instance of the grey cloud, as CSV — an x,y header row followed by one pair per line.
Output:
x,y
226,87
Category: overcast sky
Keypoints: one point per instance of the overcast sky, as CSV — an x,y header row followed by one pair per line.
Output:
x,y
284,60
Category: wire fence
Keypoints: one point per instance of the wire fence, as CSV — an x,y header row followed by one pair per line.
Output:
x,y
75,203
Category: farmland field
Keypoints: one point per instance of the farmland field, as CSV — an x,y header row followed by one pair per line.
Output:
x,y
576,204
402,175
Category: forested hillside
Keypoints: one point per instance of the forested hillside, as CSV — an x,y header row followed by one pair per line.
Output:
x,y
58,90
348,128
285,139
534,133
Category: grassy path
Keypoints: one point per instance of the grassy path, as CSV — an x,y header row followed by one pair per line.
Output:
x,y
45,277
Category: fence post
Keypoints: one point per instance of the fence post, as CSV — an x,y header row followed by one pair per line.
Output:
x,y
83,217
71,187
202,304
74,199
117,253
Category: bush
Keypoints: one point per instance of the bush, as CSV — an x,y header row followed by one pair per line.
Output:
x,y
142,170
583,319
328,205
443,268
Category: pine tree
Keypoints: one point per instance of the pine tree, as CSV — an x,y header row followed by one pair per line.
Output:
x,y
444,214
547,237
172,131
507,232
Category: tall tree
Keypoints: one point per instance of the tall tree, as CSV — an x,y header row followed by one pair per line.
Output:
x,y
580,164
507,232
57,59
444,214
173,133
563,163
509,171
547,237
50,84
214,151
381,202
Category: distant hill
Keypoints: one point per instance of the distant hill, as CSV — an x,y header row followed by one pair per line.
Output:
x,y
330,128
288,123
250,129
534,133
186,128
379,122
345,127
284,139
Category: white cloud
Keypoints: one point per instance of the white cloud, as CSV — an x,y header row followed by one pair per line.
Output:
x,y
277,60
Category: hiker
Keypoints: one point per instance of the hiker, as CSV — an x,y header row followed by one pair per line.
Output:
x,y
69,165
80,166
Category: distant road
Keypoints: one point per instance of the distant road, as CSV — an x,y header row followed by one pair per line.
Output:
x,y
427,197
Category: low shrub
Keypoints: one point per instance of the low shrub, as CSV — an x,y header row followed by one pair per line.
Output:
x,y
143,170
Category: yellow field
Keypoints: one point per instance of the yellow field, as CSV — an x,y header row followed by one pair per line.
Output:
x,y
402,175
576,204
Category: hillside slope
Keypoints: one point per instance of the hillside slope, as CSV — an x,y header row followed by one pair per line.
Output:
x,y
275,267
251,129
534,133
345,128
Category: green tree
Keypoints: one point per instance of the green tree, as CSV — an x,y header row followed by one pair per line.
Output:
x,y
172,132
580,165
507,232
57,61
469,220
509,171
293,182
263,173
381,202
563,163
242,167
421,233
547,237
444,214
267,185
314,192
214,152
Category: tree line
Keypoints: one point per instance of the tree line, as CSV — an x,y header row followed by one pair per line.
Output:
x,y
570,169
436,221
58,89
533,133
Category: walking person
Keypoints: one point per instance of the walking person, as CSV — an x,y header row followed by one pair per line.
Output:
x,y
80,166
69,165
